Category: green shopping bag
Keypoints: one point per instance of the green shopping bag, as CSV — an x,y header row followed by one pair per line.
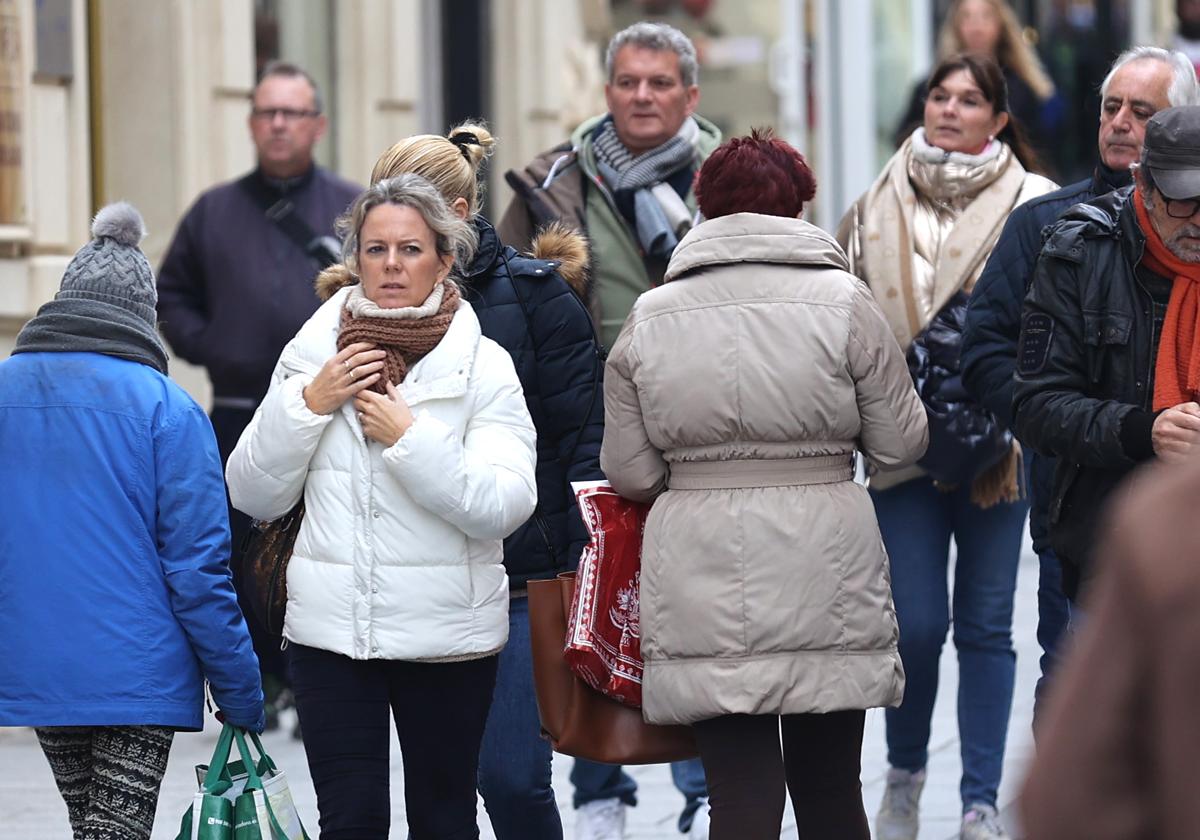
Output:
x,y
213,807
241,799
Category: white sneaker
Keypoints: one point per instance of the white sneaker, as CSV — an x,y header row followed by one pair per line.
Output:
x,y
700,822
603,819
982,822
897,818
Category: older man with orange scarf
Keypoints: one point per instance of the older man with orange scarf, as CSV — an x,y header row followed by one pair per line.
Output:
x,y
1108,371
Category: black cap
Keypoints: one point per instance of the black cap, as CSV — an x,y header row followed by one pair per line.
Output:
x,y
1172,148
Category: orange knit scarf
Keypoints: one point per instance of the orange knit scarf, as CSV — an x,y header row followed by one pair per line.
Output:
x,y
405,341
1177,365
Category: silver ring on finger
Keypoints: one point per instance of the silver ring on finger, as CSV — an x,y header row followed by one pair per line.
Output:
x,y
353,373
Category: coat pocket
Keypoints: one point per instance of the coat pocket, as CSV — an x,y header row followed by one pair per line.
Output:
x,y
1103,334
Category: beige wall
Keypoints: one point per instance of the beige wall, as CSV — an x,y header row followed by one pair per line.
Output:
x,y
546,78
57,174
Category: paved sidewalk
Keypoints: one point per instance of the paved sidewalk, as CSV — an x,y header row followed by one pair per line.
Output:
x,y
30,808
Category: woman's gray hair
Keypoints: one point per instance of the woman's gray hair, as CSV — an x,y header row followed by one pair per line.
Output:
x,y
451,234
655,36
1183,90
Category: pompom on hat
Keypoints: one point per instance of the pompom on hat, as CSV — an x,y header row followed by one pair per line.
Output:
x,y
112,268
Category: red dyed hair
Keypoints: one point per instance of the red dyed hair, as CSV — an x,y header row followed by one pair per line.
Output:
x,y
755,174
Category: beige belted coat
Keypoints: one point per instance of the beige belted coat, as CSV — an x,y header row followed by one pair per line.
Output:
x,y
735,398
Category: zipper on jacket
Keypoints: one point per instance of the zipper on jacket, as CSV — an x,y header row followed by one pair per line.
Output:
x,y
540,521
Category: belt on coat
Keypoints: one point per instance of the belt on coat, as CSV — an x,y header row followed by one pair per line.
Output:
x,y
764,472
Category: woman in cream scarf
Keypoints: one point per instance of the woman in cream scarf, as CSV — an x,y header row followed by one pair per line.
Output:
x,y
920,234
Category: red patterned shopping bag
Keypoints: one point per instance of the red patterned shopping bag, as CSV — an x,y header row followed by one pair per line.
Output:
x,y
604,646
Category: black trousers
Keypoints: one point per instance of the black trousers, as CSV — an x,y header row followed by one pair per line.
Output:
x,y
440,710
820,763
228,425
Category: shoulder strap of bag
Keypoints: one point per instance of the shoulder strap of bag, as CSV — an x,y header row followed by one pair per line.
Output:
x,y
281,212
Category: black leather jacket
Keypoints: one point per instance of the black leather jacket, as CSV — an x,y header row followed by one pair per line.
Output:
x,y
1085,367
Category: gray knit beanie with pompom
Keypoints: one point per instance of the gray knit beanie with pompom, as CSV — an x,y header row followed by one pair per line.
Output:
x,y
111,268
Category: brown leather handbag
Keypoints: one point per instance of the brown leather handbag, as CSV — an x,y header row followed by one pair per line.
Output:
x,y
577,719
265,559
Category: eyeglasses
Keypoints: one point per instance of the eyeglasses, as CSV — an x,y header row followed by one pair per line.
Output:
x,y
1182,208
288,114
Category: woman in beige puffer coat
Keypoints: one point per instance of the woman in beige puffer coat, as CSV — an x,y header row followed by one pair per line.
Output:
x,y
735,398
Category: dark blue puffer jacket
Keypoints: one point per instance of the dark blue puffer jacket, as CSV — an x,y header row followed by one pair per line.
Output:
x,y
525,305
989,348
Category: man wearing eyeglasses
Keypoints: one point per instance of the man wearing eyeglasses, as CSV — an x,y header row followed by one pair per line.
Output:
x,y
1108,362
237,281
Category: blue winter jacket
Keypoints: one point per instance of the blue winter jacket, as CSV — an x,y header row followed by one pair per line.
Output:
x,y
993,325
116,600
526,307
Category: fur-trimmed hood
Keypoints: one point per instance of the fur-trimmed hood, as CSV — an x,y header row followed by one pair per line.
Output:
x,y
335,277
562,244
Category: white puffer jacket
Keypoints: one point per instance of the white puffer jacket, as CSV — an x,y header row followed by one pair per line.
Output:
x,y
399,553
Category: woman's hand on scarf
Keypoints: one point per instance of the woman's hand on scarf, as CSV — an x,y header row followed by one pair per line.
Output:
x,y
354,368
383,419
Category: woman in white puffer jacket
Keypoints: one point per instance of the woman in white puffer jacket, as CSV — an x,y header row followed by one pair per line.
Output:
x,y
406,433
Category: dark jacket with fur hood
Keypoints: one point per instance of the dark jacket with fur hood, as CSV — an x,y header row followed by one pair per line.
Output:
x,y
530,306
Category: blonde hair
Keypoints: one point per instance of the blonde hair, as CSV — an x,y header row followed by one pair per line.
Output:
x,y
451,163
1011,52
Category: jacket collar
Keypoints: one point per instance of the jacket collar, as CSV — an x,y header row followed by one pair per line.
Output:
x,y
486,255
1105,180
751,237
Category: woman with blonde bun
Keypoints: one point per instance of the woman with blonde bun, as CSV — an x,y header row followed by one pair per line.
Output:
x,y
530,306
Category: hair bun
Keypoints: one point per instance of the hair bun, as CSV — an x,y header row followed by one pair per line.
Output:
x,y
474,141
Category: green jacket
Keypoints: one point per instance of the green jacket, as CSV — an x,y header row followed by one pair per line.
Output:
x,y
563,185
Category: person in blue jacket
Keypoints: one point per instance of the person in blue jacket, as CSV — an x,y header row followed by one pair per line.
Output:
x,y
117,602
529,306
1142,81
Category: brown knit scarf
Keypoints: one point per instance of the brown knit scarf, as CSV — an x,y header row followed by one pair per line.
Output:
x,y
406,340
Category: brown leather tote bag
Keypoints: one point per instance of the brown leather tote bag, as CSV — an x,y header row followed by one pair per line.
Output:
x,y
578,720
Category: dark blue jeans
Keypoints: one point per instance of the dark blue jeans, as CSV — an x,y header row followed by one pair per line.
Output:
x,y
917,521
1054,614
594,781
514,762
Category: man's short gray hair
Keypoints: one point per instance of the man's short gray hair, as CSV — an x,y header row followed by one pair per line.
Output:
x,y
288,70
451,234
656,36
1183,89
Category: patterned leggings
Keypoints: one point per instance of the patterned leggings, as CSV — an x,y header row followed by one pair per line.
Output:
x,y
109,777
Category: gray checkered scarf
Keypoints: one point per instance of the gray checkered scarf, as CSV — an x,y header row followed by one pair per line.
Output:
x,y
661,215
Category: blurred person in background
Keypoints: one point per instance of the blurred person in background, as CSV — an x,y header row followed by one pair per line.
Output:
x,y
237,280
405,433
765,590
1116,759
625,181
920,238
1141,82
1187,33
526,306
990,29
117,604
